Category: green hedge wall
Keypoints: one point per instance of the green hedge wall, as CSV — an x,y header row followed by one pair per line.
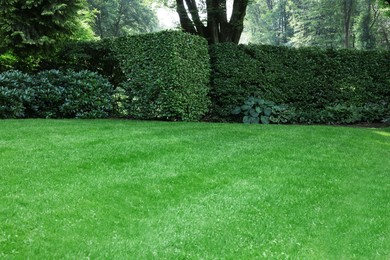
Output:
x,y
167,75
161,75
315,82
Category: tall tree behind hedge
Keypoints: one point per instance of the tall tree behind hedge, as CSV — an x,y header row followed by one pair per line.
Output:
x,y
35,26
115,18
211,19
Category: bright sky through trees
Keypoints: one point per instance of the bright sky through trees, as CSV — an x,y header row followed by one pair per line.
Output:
x,y
167,18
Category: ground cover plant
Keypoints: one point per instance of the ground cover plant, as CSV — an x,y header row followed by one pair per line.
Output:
x,y
127,189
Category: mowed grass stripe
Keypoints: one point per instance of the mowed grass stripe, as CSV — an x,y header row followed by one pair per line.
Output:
x,y
120,189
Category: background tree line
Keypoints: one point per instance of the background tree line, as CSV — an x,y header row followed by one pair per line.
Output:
x,y
361,24
36,27
39,26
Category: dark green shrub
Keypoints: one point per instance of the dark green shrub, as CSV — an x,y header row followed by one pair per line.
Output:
x,y
48,94
323,86
11,105
55,94
167,75
96,56
343,114
87,95
374,112
15,93
257,110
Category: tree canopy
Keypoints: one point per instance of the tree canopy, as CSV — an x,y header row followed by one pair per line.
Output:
x,y
115,18
361,24
36,26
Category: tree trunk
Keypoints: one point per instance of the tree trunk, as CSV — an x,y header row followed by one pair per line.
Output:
x,y
218,28
347,11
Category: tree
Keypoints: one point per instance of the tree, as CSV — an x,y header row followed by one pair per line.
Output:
x,y
316,23
268,22
385,4
362,24
209,19
367,24
348,7
115,18
37,26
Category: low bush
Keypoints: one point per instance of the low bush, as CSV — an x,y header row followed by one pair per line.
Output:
x,y
55,94
48,94
15,93
87,95
11,104
257,110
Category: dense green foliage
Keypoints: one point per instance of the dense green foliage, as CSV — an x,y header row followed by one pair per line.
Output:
x,y
257,110
55,94
121,17
360,24
319,85
31,27
14,93
121,189
157,76
167,75
97,56
7,61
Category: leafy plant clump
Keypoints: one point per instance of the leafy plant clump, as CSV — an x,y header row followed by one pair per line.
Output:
x,y
14,93
55,94
258,110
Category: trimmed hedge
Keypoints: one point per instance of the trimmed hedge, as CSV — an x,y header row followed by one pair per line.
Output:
x,y
55,94
319,85
167,75
162,75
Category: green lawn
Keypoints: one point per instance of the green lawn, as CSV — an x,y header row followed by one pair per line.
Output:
x,y
114,189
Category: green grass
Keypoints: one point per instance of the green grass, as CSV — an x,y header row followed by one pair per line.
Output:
x,y
113,189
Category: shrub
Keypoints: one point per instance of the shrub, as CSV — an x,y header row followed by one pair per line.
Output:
x,y
55,94
323,86
258,110
11,105
96,56
48,94
15,93
167,75
87,95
